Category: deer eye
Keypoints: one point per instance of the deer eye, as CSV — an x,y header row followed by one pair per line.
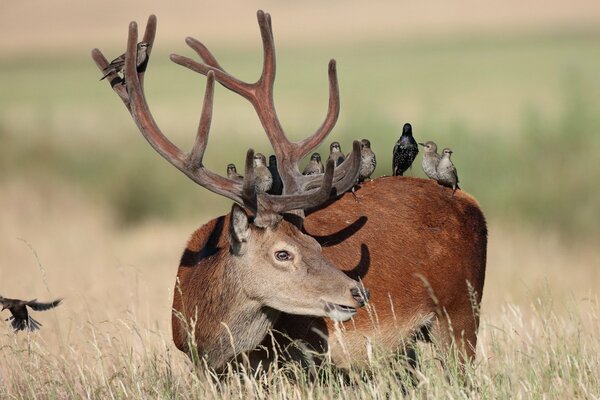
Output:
x,y
283,255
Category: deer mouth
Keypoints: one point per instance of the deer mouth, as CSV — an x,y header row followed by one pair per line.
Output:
x,y
339,312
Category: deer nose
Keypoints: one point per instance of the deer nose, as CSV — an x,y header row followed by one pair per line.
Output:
x,y
360,294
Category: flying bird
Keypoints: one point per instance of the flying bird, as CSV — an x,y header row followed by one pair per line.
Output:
x,y
314,166
446,171
368,162
405,151
335,153
431,159
117,65
20,319
263,180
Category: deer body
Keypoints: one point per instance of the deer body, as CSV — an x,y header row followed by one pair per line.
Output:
x,y
416,248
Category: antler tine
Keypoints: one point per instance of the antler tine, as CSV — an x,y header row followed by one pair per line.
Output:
x,y
307,145
345,175
267,76
194,159
116,84
284,203
248,191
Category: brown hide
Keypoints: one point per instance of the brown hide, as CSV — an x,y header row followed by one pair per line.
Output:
x,y
416,248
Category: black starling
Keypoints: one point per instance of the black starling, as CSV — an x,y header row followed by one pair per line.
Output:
x,y
405,151
335,153
431,159
277,187
446,172
118,63
368,162
232,173
314,166
263,180
20,317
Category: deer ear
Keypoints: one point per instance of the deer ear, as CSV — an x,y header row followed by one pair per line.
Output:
x,y
239,229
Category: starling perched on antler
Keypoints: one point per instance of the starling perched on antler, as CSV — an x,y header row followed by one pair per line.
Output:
x,y
117,65
232,173
20,319
446,171
405,151
368,162
314,166
335,153
277,187
263,180
431,159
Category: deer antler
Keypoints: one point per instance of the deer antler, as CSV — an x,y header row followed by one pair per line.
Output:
x,y
299,192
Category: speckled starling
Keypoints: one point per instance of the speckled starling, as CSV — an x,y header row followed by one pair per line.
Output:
x,y
117,65
405,151
314,166
263,180
368,162
446,172
277,187
20,319
232,173
431,159
335,153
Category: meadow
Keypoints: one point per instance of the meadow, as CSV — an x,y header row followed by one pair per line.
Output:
x,y
90,213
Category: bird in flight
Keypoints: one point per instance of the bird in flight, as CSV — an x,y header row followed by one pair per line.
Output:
x,y
20,319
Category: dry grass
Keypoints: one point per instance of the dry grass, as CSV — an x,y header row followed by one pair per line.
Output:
x,y
111,337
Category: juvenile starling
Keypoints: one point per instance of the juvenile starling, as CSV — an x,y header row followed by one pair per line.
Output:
x,y
232,173
20,319
277,187
431,159
335,153
263,180
405,151
314,166
446,172
368,162
118,63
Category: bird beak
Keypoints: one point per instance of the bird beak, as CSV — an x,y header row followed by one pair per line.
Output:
x,y
421,144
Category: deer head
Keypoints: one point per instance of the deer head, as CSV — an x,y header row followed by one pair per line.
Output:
x,y
282,267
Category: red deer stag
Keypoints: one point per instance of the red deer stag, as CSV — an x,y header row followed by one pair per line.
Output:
x,y
420,251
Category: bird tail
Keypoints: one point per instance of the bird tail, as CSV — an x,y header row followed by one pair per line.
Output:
x,y
19,324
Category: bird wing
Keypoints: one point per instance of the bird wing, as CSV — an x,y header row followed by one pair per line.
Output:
x,y
43,306
395,159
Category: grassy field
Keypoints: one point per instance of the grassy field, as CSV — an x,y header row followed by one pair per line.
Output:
x,y
90,213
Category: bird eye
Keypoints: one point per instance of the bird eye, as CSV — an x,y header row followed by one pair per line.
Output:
x,y
283,255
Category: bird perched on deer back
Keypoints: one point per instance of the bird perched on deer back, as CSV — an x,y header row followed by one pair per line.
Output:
x,y
405,151
446,171
431,159
232,173
314,166
335,153
117,65
277,187
20,319
263,180
368,162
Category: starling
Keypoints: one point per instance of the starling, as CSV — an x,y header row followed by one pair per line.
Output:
x,y
405,151
118,63
335,153
446,172
232,173
20,317
314,166
277,187
263,180
431,159
368,161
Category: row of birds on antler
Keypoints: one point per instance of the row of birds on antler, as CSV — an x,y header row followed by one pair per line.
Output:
x,y
436,166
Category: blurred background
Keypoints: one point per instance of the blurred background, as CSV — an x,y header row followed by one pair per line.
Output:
x,y
89,212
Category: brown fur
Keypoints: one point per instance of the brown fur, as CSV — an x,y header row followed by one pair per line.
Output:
x,y
417,249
